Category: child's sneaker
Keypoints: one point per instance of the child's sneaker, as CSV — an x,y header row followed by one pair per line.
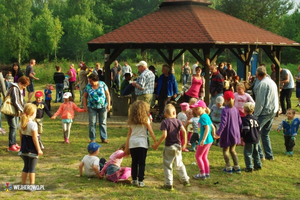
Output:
x,y
236,170
248,169
2,131
257,168
287,153
199,176
187,184
207,175
141,184
13,148
228,170
168,187
291,153
17,146
185,150
134,182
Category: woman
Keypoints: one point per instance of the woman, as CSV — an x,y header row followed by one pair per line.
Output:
x,y
195,86
18,103
72,80
59,78
17,73
96,100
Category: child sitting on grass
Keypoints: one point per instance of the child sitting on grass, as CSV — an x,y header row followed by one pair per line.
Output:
x,y
113,170
290,128
250,135
172,152
91,162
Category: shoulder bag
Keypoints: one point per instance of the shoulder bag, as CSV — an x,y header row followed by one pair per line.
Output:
x,y
7,107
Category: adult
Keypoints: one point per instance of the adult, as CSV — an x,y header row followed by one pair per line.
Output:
x,y
266,106
222,70
96,100
2,94
72,79
17,73
125,69
99,71
119,71
194,67
273,74
17,100
230,72
114,76
216,84
195,86
166,89
153,70
287,82
31,75
185,71
83,81
59,78
144,84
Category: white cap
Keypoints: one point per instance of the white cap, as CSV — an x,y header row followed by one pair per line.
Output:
x,y
67,95
142,63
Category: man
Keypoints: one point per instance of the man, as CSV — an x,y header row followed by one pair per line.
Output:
x,y
273,74
194,67
153,70
230,72
114,74
166,89
83,81
287,82
266,106
31,74
144,84
125,69
216,85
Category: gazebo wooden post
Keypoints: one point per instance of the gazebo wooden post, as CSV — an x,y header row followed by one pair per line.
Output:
x,y
206,53
107,67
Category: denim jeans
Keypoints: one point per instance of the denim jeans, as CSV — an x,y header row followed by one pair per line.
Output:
x,y
285,94
81,97
101,114
251,151
265,122
59,92
185,78
213,99
13,124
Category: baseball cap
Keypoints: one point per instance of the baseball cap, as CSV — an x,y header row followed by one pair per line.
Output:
x,y
199,103
220,100
249,107
228,95
142,63
92,147
38,94
184,106
67,95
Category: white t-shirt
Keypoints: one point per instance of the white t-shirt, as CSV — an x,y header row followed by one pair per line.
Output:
x,y
138,137
31,126
194,68
89,162
182,117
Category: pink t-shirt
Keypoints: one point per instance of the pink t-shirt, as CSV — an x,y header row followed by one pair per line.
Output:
x,y
240,100
73,79
195,88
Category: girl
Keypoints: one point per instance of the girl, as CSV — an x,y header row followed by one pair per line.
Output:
x,y
195,136
113,169
205,140
30,148
241,98
189,114
229,132
67,114
183,118
138,123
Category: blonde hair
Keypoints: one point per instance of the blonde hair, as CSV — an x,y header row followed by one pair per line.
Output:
x,y
169,108
138,113
207,110
230,102
29,110
241,85
192,101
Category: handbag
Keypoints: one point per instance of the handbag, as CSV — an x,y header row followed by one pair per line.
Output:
x,y
7,107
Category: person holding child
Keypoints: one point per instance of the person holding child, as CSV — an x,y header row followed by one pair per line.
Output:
x,y
136,144
91,162
290,128
250,134
229,132
205,140
30,148
41,107
170,128
66,110
113,170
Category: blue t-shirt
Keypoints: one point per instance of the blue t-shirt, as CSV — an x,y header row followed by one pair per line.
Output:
x,y
48,95
205,120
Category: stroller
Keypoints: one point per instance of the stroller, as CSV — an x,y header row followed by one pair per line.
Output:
x,y
66,84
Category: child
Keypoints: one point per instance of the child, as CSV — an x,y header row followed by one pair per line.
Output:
x,y
48,97
229,132
298,86
41,107
215,114
250,135
195,137
189,114
138,123
183,118
30,148
241,98
290,128
125,83
9,77
66,110
116,173
172,152
205,140
91,162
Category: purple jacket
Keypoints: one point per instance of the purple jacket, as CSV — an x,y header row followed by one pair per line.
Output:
x,y
230,126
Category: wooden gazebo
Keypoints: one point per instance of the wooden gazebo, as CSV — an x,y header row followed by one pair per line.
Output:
x,y
190,25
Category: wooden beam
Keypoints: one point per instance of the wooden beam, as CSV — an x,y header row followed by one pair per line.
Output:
x,y
197,56
215,56
171,51
236,54
179,55
162,55
241,54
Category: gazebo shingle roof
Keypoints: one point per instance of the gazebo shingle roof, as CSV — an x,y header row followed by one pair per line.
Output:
x,y
189,22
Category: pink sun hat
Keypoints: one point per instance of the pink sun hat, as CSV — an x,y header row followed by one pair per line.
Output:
x,y
199,103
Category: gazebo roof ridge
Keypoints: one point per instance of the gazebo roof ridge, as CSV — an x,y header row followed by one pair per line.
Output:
x,y
184,2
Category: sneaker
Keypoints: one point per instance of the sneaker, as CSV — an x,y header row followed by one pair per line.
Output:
x,y
134,182
238,170
105,141
257,168
2,131
271,159
207,175
287,153
192,150
168,187
141,184
248,170
199,176
228,171
189,144
17,146
291,153
67,140
185,150
187,184
13,148
262,158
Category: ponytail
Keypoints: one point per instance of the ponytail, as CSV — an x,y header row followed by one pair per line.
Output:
x,y
24,121
29,110
231,103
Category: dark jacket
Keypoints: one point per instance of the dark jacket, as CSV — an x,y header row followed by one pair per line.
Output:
x,y
41,107
216,83
250,129
59,77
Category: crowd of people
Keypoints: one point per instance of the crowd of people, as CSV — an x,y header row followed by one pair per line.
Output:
x,y
233,117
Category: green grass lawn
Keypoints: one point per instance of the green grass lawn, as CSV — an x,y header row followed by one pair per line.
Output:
x,y
58,167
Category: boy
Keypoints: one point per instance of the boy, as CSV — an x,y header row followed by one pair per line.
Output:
x,y
91,161
125,82
250,135
215,114
172,152
290,128
41,107
48,97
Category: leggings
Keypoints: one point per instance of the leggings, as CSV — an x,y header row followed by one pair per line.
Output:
x,y
201,158
29,164
138,163
233,153
66,129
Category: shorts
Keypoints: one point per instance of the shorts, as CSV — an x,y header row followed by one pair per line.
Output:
x,y
30,88
298,92
40,125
